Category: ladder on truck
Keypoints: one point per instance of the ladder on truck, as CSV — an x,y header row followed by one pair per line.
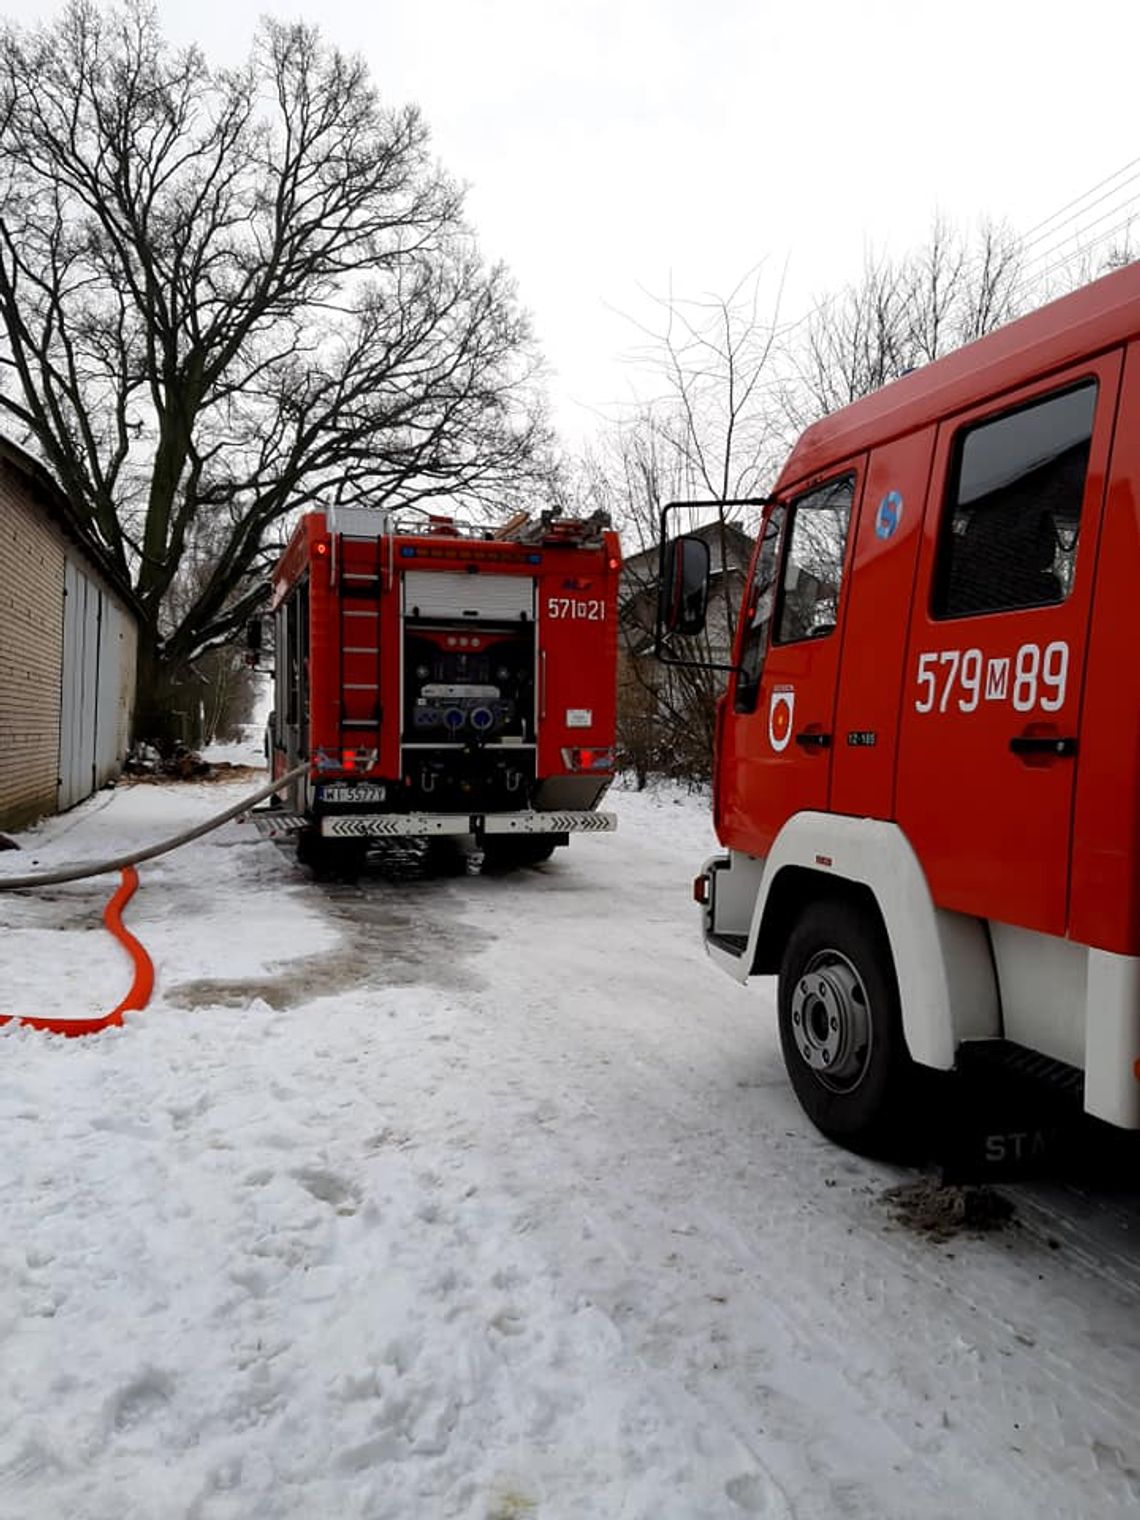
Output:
x,y
359,572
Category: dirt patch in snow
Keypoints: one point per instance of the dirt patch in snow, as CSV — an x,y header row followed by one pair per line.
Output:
x,y
943,1210
197,770
386,920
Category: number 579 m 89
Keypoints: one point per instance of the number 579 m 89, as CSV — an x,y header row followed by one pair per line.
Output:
x,y
961,679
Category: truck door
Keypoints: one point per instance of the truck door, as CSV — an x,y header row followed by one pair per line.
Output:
x,y
989,735
880,590
776,744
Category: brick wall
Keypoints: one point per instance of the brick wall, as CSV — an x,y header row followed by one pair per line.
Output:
x,y
31,651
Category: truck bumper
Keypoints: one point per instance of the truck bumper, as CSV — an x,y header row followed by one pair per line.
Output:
x,y
424,825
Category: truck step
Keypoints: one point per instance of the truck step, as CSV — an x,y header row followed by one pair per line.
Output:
x,y
998,1058
274,823
731,944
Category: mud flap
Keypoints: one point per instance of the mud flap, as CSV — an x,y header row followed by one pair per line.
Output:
x,y
1007,1114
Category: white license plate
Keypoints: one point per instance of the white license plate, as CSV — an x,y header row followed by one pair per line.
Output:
x,y
363,791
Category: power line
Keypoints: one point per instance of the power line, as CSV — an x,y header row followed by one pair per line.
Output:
x,y
1044,237
1052,249
1040,277
1041,233
1084,196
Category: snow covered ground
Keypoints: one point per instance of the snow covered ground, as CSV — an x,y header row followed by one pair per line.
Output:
x,y
487,1197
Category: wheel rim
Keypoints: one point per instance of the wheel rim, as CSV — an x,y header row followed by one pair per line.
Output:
x,y
831,1021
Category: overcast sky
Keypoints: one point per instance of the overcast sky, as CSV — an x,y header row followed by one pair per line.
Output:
x,y
617,147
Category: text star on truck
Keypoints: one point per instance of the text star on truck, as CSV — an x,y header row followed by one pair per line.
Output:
x,y
444,680
927,775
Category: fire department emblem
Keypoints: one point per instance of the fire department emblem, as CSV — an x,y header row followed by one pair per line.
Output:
x,y
889,515
781,709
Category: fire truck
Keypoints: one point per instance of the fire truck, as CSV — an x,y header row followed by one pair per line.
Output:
x,y
927,776
443,681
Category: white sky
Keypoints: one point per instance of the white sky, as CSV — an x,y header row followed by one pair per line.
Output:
x,y
617,147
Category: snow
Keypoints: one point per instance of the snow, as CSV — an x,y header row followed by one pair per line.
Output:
x,y
486,1197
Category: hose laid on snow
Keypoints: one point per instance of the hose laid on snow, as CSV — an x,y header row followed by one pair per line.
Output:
x,y
141,987
99,867
143,983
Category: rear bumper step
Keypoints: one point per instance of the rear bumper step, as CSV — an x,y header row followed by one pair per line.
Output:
x,y
274,823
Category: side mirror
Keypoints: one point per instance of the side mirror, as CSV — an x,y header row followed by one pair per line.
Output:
x,y
684,591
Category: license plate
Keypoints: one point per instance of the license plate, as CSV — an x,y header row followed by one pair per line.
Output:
x,y
363,791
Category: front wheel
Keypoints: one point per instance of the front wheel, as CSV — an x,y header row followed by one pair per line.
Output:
x,y
841,1028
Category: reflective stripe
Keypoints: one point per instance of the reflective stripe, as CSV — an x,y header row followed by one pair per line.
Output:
x,y
550,823
385,825
388,825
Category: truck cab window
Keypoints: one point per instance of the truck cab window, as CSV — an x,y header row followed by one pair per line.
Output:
x,y
291,662
758,612
293,657
1009,540
813,569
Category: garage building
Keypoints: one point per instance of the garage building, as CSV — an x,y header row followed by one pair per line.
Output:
x,y
68,646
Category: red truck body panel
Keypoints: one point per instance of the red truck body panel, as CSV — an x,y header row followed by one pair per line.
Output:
x,y
1003,737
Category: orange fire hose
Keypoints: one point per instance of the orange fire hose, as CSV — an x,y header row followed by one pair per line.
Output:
x,y
143,984
141,987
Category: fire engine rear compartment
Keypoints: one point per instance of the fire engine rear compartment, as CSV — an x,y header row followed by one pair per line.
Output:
x,y
468,662
439,685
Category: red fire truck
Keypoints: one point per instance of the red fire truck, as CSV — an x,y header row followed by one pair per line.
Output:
x,y
444,681
927,776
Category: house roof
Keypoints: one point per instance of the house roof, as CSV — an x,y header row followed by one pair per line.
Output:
x,y
48,492
645,563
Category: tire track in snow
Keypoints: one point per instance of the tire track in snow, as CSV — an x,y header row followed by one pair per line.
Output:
x,y
1048,1370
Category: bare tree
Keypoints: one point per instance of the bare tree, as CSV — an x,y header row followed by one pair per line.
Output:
x,y
736,388
992,291
711,434
712,359
900,315
231,294
849,346
665,714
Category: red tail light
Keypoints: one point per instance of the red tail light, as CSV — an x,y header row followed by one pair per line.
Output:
x,y
358,759
579,759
